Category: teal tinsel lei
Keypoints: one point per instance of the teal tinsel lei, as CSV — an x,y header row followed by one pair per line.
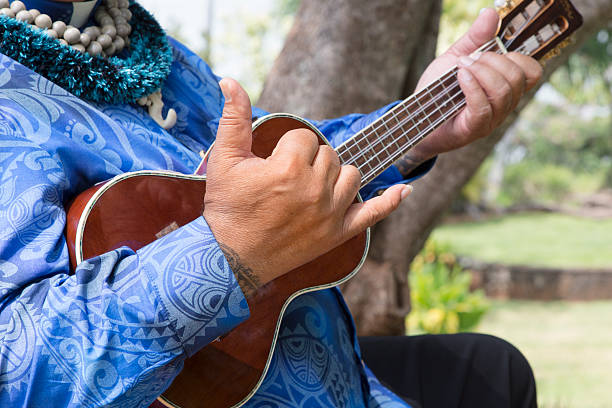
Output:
x,y
107,80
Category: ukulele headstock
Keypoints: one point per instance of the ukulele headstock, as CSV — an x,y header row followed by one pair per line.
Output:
x,y
538,28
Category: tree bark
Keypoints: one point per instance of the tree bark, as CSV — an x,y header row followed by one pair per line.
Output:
x,y
353,56
347,56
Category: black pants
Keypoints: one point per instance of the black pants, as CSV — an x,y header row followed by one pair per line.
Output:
x,y
446,371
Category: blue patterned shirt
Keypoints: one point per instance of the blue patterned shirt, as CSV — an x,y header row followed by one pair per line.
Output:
x,y
116,331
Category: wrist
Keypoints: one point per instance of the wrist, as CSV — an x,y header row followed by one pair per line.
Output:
x,y
410,161
248,280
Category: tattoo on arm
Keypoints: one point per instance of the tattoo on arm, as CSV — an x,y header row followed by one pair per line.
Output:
x,y
248,281
407,163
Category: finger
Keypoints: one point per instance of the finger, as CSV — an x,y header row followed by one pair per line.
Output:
x,y
513,73
346,187
362,215
498,90
234,136
481,31
531,68
302,144
478,113
327,163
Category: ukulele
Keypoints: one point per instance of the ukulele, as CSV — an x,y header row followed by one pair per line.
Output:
x,y
134,209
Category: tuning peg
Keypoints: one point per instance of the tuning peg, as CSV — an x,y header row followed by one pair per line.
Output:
x,y
557,50
502,3
504,7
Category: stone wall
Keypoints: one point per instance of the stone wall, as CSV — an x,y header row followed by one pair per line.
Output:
x,y
538,283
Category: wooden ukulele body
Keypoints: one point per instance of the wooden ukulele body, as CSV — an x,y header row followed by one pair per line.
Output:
x,y
134,209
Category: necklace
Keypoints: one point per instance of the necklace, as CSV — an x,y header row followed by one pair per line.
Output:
x,y
83,63
78,13
107,39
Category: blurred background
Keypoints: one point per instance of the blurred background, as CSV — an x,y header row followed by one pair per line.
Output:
x,y
511,236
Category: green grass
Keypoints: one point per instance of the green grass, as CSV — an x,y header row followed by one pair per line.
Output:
x,y
533,239
569,346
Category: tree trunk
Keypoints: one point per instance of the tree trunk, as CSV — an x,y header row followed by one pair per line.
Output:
x,y
351,56
347,56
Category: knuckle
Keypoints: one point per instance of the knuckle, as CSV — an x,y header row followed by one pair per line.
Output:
x,y
289,168
488,56
374,215
532,69
485,113
493,60
352,172
329,151
505,96
303,136
353,176
538,71
326,152
237,110
504,89
334,160
517,77
522,81
231,120
508,103
315,194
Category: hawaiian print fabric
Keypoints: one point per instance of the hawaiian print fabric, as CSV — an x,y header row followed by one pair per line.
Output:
x,y
117,330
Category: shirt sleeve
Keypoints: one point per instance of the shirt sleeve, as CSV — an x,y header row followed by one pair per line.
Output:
x,y
117,330
339,130
380,396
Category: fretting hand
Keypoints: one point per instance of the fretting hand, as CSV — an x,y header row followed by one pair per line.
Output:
x,y
492,84
272,215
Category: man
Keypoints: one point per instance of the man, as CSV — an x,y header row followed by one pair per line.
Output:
x,y
116,331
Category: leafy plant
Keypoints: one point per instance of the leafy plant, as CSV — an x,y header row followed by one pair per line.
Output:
x,y
440,294
527,182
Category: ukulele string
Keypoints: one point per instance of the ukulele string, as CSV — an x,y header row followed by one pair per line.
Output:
x,y
422,134
390,159
418,137
379,123
441,96
382,120
411,115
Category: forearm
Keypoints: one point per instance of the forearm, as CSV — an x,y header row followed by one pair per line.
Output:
x,y
79,336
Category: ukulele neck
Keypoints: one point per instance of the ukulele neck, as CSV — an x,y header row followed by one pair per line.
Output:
x,y
379,145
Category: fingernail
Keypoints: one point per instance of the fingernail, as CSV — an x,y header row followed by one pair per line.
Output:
x,y
476,55
225,91
465,61
406,191
482,10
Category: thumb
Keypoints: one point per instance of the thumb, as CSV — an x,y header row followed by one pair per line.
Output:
x,y
359,216
234,136
481,31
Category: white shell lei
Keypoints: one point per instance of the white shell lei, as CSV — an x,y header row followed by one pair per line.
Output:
x,y
105,40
